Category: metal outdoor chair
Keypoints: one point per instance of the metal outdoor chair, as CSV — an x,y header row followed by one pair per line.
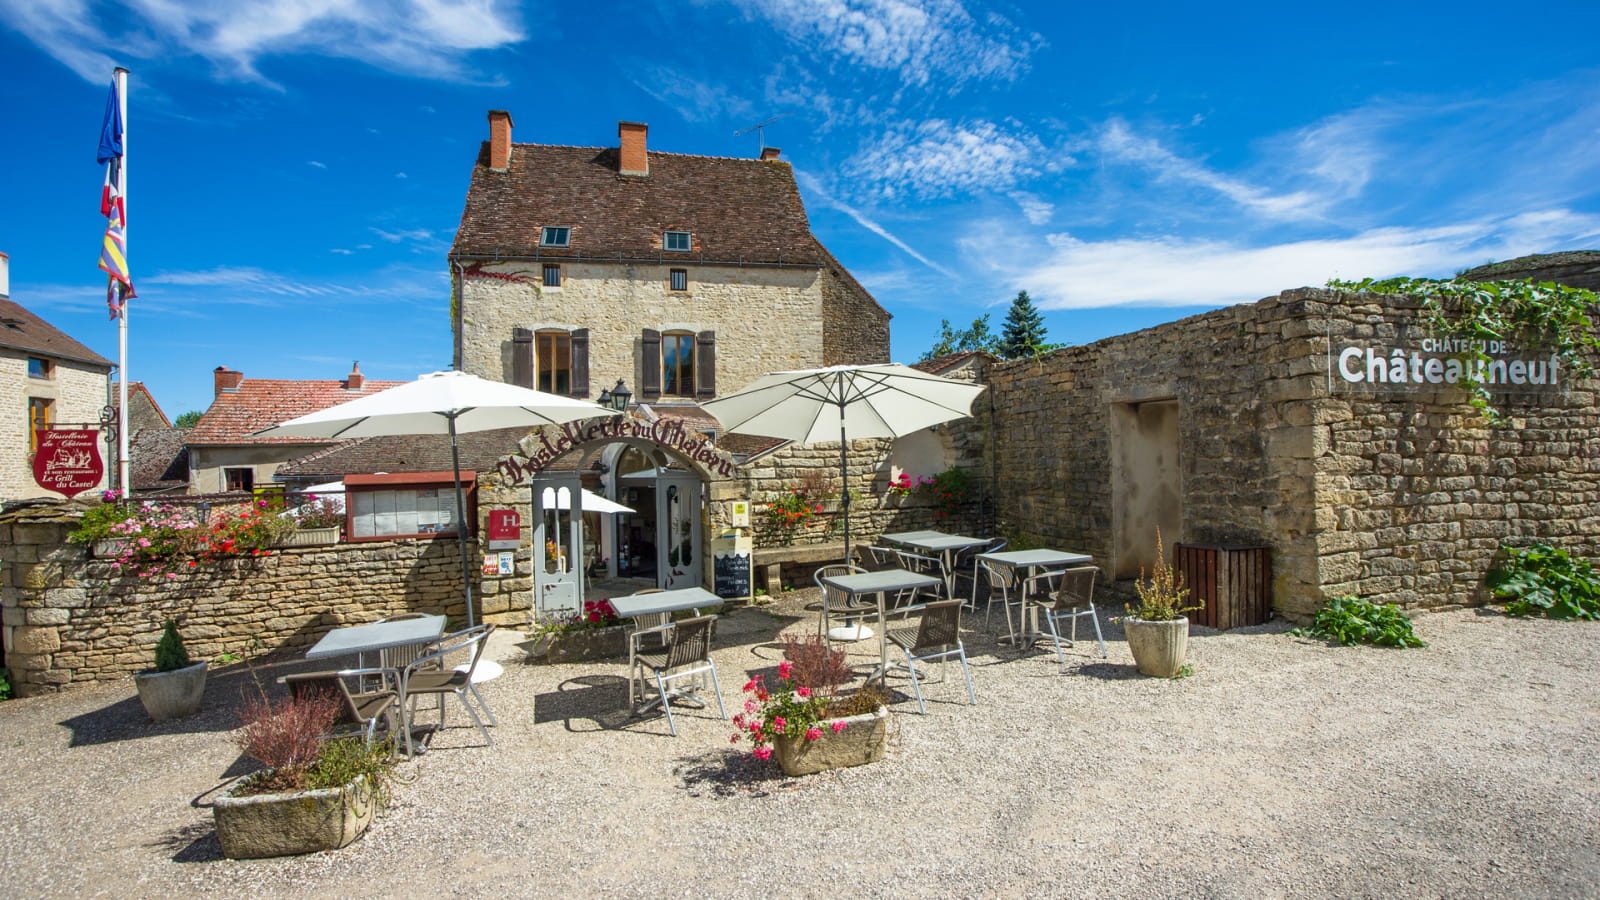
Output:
x,y
966,569
646,634
876,559
1069,594
837,604
909,600
359,712
402,656
936,637
685,653
431,674
1004,578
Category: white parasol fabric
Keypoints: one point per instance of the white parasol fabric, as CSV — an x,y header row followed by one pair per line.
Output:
x,y
442,403
844,402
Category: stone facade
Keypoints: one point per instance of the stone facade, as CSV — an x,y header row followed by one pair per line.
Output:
x,y
78,393
1395,497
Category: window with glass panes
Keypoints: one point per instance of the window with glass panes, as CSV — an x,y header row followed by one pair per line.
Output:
x,y
41,412
552,352
678,280
677,365
552,275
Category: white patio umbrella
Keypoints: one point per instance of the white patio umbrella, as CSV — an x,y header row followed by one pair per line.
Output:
x,y
442,403
843,402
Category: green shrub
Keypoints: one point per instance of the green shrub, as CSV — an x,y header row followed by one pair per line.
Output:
x,y
1352,620
1541,580
97,521
5,684
170,653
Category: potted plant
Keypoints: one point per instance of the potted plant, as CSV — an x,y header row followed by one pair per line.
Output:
x,y
1157,629
812,729
595,633
175,686
316,522
315,794
96,528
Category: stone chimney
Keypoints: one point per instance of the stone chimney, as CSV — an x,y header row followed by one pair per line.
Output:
x,y
5,276
499,140
225,381
633,159
354,380
770,153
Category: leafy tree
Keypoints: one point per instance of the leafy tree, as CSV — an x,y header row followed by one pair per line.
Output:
x,y
188,420
1024,330
960,340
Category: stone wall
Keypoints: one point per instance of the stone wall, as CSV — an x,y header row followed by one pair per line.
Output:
x,y
68,619
1400,498
855,329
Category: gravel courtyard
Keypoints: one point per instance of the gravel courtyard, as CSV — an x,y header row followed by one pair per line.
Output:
x,y
1282,768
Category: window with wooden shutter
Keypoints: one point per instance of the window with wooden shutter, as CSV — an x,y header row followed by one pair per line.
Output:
x,y
677,364
580,362
522,357
650,366
706,363
553,360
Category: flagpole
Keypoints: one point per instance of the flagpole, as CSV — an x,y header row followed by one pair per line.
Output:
x,y
124,464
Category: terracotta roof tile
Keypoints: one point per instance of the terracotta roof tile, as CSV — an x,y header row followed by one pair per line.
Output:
x,y
736,209
22,330
404,453
159,458
941,364
261,403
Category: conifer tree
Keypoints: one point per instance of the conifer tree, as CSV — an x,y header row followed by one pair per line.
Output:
x,y
1024,330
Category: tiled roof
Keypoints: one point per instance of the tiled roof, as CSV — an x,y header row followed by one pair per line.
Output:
x,y
138,396
159,458
22,330
736,209
404,453
262,403
942,364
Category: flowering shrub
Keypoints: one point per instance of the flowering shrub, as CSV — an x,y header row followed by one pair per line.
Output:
x,y
161,538
595,614
949,489
790,709
320,512
789,513
905,484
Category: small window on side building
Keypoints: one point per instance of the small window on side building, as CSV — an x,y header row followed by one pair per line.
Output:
x,y
678,280
239,479
552,275
555,236
677,241
39,367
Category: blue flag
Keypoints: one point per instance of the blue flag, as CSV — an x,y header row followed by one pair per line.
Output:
x,y
111,129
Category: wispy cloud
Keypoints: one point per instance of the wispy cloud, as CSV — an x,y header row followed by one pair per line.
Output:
x,y
693,98
319,165
426,38
813,187
1119,143
922,41
409,234
1035,209
937,158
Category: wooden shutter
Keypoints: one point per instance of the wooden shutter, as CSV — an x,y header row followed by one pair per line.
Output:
x,y
650,376
580,362
705,365
522,357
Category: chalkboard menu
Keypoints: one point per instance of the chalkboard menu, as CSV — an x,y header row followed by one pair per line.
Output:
x,y
732,575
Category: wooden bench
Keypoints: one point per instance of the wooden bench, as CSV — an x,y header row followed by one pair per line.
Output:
x,y
769,561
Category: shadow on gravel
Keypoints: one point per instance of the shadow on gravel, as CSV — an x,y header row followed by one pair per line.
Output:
x,y
731,773
226,690
601,699
1107,671
192,843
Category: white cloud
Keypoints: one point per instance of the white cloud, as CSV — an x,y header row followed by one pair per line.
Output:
x,y
410,234
923,41
319,165
400,175
427,38
694,99
1119,143
813,187
1035,209
937,158
341,251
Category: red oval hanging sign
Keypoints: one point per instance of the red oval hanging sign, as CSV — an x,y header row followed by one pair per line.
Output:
x,y
68,461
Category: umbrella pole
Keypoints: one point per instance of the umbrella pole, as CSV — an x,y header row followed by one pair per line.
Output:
x,y
844,485
461,520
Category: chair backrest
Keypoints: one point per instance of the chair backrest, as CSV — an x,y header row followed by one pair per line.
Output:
x,y
689,642
472,640
940,626
922,565
314,684
999,574
651,620
832,596
879,558
1076,587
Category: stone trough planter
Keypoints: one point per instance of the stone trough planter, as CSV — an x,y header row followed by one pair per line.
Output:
x,y
294,823
311,537
577,646
172,695
862,741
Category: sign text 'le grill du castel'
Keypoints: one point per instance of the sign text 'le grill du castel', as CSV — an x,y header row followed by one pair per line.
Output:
x,y
1441,362
68,461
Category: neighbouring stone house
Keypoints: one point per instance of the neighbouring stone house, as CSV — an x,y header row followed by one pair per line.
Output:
x,y
50,380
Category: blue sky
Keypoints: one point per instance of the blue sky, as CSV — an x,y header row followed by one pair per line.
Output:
x,y
297,170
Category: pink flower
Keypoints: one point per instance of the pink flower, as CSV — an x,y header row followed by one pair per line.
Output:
x,y
813,733
802,692
784,668
837,727
779,722
762,753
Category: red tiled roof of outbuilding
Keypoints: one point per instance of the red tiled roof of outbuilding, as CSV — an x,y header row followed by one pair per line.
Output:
x,y
262,403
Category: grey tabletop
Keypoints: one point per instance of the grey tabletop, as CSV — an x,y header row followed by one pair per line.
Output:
x,y
1037,558
935,540
664,601
377,636
877,582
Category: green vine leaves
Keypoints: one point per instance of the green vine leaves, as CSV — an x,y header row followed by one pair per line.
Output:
x,y
1530,314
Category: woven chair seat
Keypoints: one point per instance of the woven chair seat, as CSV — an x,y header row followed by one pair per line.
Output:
x,y
430,682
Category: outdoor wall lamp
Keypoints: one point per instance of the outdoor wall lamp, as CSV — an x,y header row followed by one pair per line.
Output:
x,y
205,512
620,395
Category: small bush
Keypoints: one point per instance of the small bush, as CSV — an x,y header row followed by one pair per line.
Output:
x,y
816,665
1541,580
1351,620
170,652
5,684
863,701
286,736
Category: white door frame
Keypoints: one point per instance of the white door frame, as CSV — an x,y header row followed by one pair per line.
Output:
x,y
557,581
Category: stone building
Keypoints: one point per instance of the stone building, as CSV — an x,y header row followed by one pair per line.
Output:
x,y
49,380
1320,424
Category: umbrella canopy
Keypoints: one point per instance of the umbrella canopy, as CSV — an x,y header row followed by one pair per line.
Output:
x,y
594,503
844,402
442,403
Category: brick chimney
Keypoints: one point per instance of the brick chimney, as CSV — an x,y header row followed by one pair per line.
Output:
x,y
634,160
225,381
770,153
499,140
354,380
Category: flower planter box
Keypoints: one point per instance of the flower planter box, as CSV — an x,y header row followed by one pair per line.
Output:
x,y
311,537
1158,648
109,548
578,646
290,824
862,741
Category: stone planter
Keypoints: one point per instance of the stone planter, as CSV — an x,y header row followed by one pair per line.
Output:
x,y
110,548
311,537
862,741
1158,647
577,646
172,695
289,824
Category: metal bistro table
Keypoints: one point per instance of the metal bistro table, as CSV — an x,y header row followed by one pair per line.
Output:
x,y
378,636
942,544
657,603
880,583
1029,560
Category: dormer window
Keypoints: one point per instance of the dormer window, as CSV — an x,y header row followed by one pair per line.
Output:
x,y
555,236
676,240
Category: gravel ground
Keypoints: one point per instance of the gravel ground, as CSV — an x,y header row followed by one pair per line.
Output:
x,y
1282,768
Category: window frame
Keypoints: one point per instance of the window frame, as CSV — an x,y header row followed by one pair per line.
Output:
x,y
685,361
673,279
435,487
666,241
544,275
556,336
545,234
47,368
229,473
48,406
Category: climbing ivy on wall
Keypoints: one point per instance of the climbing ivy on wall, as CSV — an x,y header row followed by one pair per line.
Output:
x,y
1527,313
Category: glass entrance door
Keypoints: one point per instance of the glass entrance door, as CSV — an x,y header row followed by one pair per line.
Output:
x,y
557,546
678,526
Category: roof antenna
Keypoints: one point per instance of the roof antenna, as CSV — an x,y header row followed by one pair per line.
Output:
x,y
761,140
